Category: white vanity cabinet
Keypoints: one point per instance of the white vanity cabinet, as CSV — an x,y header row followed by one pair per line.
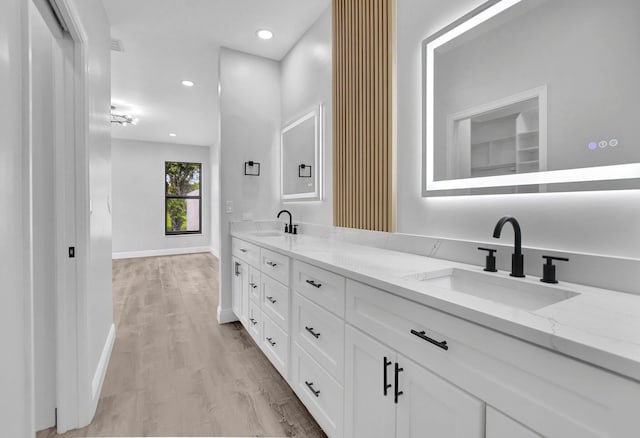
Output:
x,y
369,363
389,395
549,393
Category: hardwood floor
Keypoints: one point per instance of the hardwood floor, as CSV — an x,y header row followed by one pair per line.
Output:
x,y
175,372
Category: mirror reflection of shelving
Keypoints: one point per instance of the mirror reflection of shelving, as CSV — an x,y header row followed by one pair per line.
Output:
x,y
499,138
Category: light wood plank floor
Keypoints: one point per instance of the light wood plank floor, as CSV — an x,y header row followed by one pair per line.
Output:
x,y
175,372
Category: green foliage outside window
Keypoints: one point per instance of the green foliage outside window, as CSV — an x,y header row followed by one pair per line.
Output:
x,y
182,182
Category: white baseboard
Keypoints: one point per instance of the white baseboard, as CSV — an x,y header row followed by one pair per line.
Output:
x,y
103,363
214,251
159,252
226,315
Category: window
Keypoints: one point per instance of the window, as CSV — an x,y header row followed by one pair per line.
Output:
x,y
183,196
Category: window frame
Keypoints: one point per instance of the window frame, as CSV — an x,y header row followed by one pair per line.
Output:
x,y
167,196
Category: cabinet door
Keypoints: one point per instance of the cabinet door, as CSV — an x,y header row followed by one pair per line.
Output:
x,y
369,413
239,289
501,426
431,407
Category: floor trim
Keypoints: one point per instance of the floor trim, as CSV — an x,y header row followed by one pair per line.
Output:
x,y
160,252
101,370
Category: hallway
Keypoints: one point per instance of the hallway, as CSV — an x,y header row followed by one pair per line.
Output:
x,y
175,372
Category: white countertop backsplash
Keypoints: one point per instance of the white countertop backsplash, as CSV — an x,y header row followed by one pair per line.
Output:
x,y
600,326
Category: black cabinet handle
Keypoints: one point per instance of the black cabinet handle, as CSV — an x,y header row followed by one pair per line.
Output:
x,y
310,386
253,321
385,385
397,392
310,330
422,335
270,340
236,268
253,285
243,250
273,301
314,284
270,263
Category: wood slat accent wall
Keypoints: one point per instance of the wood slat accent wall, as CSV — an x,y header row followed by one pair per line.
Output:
x,y
363,114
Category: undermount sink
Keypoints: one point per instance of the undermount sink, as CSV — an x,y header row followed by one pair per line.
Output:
x,y
505,290
268,233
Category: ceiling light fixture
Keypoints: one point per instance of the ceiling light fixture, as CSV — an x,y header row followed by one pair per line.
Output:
x,y
188,83
122,119
172,134
264,34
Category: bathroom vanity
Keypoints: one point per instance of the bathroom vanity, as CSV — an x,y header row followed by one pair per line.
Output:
x,y
382,343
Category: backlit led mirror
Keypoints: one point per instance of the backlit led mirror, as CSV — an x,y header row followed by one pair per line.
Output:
x,y
531,96
301,154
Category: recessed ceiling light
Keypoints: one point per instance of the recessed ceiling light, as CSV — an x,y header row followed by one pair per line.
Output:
x,y
172,134
188,83
264,34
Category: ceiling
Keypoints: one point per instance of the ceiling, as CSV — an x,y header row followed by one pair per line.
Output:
x,y
167,41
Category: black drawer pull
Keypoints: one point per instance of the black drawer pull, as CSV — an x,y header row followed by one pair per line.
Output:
x,y
310,386
270,263
253,321
236,269
273,300
314,284
397,393
253,285
273,344
310,330
422,335
385,385
243,250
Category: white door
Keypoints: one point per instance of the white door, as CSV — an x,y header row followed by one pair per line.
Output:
x,y
431,407
48,125
369,412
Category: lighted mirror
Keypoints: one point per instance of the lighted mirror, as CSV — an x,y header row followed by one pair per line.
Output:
x,y
533,95
301,153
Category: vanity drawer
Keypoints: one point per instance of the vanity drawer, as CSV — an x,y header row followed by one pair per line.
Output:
x,y
275,344
254,322
275,301
254,284
322,287
319,333
275,265
323,396
246,251
552,394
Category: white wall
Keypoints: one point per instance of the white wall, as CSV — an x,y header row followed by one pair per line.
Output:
x,y
138,169
249,130
605,223
306,82
16,373
214,178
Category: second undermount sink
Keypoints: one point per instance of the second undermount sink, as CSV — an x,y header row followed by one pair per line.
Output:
x,y
505,290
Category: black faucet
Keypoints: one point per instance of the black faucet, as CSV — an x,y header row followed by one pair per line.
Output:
x,y
517,259
287,228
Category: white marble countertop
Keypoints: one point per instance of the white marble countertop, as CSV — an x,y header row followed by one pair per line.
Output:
x,y
598,326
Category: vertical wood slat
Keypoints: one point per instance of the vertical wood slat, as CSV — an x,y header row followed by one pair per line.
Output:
x,y
363,118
